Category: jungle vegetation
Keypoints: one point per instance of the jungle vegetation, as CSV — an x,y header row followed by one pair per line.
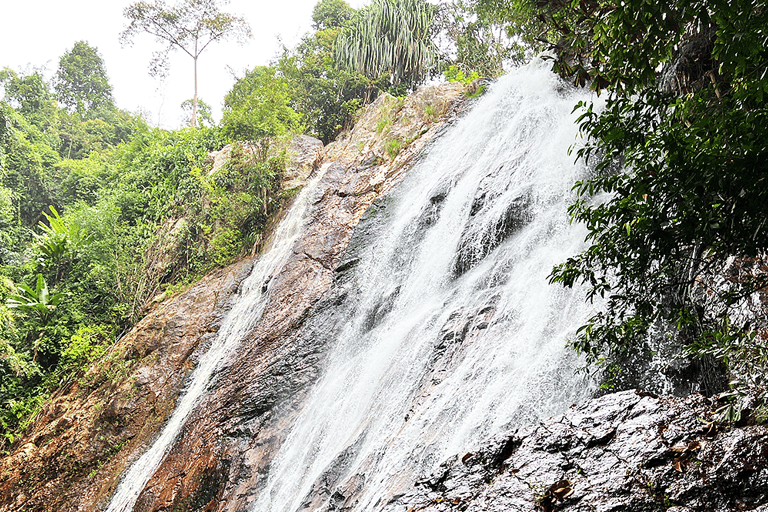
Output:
x,y
101,213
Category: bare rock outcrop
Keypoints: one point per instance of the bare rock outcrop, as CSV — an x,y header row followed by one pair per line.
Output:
x,y
303,157
302,154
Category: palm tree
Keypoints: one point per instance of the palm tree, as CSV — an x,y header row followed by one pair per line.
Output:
x,y
390,37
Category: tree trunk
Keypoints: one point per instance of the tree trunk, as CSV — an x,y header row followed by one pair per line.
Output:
x,y
194,100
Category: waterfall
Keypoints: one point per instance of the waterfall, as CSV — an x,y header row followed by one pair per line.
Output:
x,y
238,322
450,332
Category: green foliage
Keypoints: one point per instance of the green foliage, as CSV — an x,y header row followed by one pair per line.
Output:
x,y
5,131
258,109
30,96
81,82
431,112
156,179
474,42
18,412
204,113
88,200
331,14
390,39
55,238
394,147
6,207
87,345
31,151
239,198
81,181
59,240
326,97
81,137
37,301
680,184
29,168
538,23
454,74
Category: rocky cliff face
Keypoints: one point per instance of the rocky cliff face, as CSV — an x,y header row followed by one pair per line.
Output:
x,y
73,455
227,445
627,451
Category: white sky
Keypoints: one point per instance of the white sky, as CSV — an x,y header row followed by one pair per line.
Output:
x,y
38,33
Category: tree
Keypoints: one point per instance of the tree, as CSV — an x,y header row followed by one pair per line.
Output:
x,y
31,97
326,97
472,41
258,108
5,131
7,216
81,81
391,38
331,14
190,26
537,24
30,157
681,172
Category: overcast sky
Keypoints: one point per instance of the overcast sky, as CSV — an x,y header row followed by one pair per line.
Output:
x,y
38,32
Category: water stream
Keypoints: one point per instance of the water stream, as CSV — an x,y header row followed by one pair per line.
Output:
x,y
238,322
451,332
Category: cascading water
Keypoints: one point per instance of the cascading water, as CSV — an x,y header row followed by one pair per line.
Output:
x,y
245,313
450,332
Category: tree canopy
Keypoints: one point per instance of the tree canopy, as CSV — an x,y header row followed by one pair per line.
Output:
x,y
331,14
257,108
326,97
391,38
81,81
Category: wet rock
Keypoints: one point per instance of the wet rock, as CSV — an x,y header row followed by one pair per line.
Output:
x,y
480,237
626,451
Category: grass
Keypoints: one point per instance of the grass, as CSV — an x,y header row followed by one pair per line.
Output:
x,y
393,148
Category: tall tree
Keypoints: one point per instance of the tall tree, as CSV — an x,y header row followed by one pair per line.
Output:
x,y
190,26
204,113
331,14
392,38
474,41
31,97
81,82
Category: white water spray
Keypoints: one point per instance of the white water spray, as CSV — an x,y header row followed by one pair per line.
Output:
x,y
456,334
238,323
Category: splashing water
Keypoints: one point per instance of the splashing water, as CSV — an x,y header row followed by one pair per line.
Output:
x,y
238,322
452,333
